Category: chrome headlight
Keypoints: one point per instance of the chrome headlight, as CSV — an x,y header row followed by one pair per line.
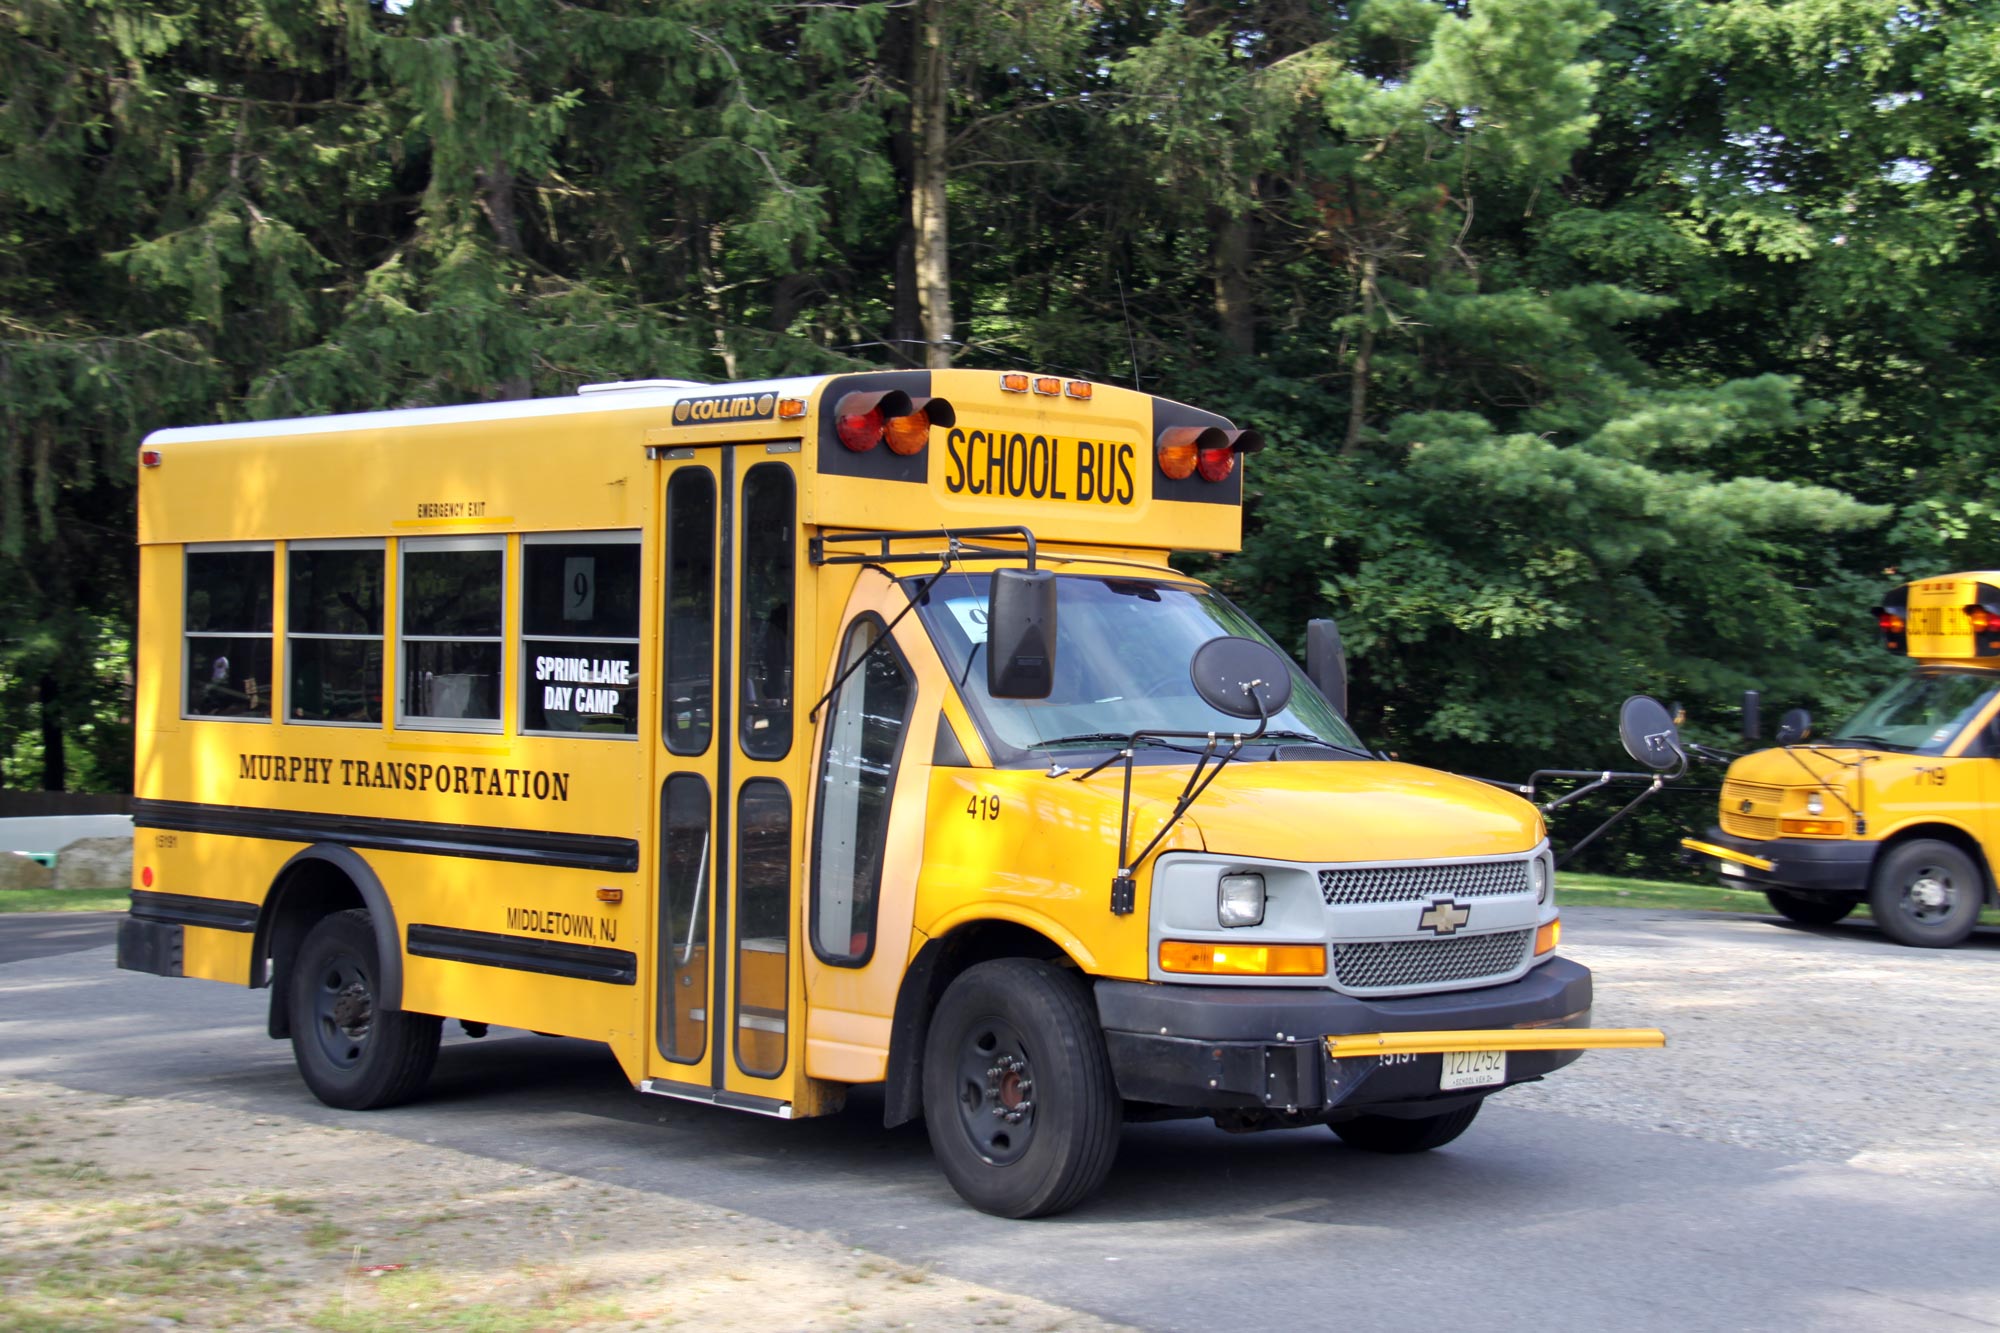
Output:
x,y
1239,900
1814,805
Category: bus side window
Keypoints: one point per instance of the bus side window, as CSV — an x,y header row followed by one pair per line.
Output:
x,y
451,630
767,612
333,638
226,670
864,742
580,633
687,708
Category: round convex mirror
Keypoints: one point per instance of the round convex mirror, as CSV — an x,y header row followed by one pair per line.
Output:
x,y
1649,733
1226,671
1794,726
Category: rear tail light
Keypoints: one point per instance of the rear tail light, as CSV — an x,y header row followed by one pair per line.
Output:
x,y
149,458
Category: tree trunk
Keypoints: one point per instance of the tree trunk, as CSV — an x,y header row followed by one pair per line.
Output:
x,y
496,200
55,763
1235,308
1357,400
927,197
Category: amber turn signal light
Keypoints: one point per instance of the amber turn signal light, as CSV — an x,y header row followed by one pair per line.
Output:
x,y
1243,960
1813,828
1548,937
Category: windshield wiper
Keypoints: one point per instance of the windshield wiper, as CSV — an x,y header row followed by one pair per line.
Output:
x,y
1310,739
1119,738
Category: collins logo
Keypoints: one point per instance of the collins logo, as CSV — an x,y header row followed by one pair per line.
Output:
x,y
1444,917
724,407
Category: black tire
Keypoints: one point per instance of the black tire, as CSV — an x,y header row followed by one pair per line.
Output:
x,y
1926,894
1811,909
351,1053
1382,1133
1019,1101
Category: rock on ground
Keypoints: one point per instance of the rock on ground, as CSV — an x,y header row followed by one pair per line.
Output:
x,y
95,863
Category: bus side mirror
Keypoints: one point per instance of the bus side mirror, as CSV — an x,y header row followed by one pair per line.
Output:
x,y
1649,733
1794,727
1753,725
1326,662
1021,634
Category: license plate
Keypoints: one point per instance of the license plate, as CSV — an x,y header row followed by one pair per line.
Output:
x,y
1473,1069
1731,868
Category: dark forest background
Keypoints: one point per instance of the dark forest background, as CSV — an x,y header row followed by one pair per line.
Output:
x,y
1603,347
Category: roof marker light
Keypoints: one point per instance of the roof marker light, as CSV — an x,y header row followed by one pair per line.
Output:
x,y
1077,389
1014,382
149,458
790,409
1048,384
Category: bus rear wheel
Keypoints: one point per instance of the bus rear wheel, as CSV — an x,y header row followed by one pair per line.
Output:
x,y
352,1053
1019,1101
1811,909
1926,894
1391,1134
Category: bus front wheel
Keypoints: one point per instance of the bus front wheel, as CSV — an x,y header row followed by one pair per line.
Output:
x,y
1926,894
1019,1101
352,1053
1811,909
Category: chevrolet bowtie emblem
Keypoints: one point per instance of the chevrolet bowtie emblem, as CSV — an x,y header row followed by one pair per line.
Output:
x,y
1745,805
1444,917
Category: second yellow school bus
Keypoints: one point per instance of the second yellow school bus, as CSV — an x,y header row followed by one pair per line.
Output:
x,y
1896,808
794,735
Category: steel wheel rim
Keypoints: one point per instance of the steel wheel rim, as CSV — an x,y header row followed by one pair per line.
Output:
x,y
996,1091
343,1010
1929,896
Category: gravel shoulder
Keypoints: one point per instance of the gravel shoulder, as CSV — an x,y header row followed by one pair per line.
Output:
x,y
1832,1044
132,1213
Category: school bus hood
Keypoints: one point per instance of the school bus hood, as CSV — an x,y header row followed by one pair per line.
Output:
x,y
1798,766
1340,811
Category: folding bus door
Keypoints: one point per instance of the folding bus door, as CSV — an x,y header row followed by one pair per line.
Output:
x,y
726,760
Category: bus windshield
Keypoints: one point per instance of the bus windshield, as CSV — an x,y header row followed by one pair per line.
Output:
x,y
1920,714
1123,647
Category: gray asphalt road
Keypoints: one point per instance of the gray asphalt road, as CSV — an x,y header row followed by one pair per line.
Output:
x,y
1574,1214
26,935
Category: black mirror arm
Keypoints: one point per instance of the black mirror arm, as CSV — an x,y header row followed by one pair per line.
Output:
x,y
1124,894
923,593
1659,780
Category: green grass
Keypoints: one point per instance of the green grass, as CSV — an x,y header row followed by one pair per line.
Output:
x,y
1610,891
64,900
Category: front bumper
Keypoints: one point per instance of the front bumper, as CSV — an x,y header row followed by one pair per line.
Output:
x,y
1264,1049
1808,865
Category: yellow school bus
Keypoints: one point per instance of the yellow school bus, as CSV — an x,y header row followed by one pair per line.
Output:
x,y
1900,806
795,735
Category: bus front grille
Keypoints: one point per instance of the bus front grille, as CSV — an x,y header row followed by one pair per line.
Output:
x,y
1735,789
1392,964
1344,886
1749,826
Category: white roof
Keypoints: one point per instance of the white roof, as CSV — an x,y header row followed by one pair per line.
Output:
x,y
660,395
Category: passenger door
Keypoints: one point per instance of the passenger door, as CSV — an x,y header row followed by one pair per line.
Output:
x,y
726,764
